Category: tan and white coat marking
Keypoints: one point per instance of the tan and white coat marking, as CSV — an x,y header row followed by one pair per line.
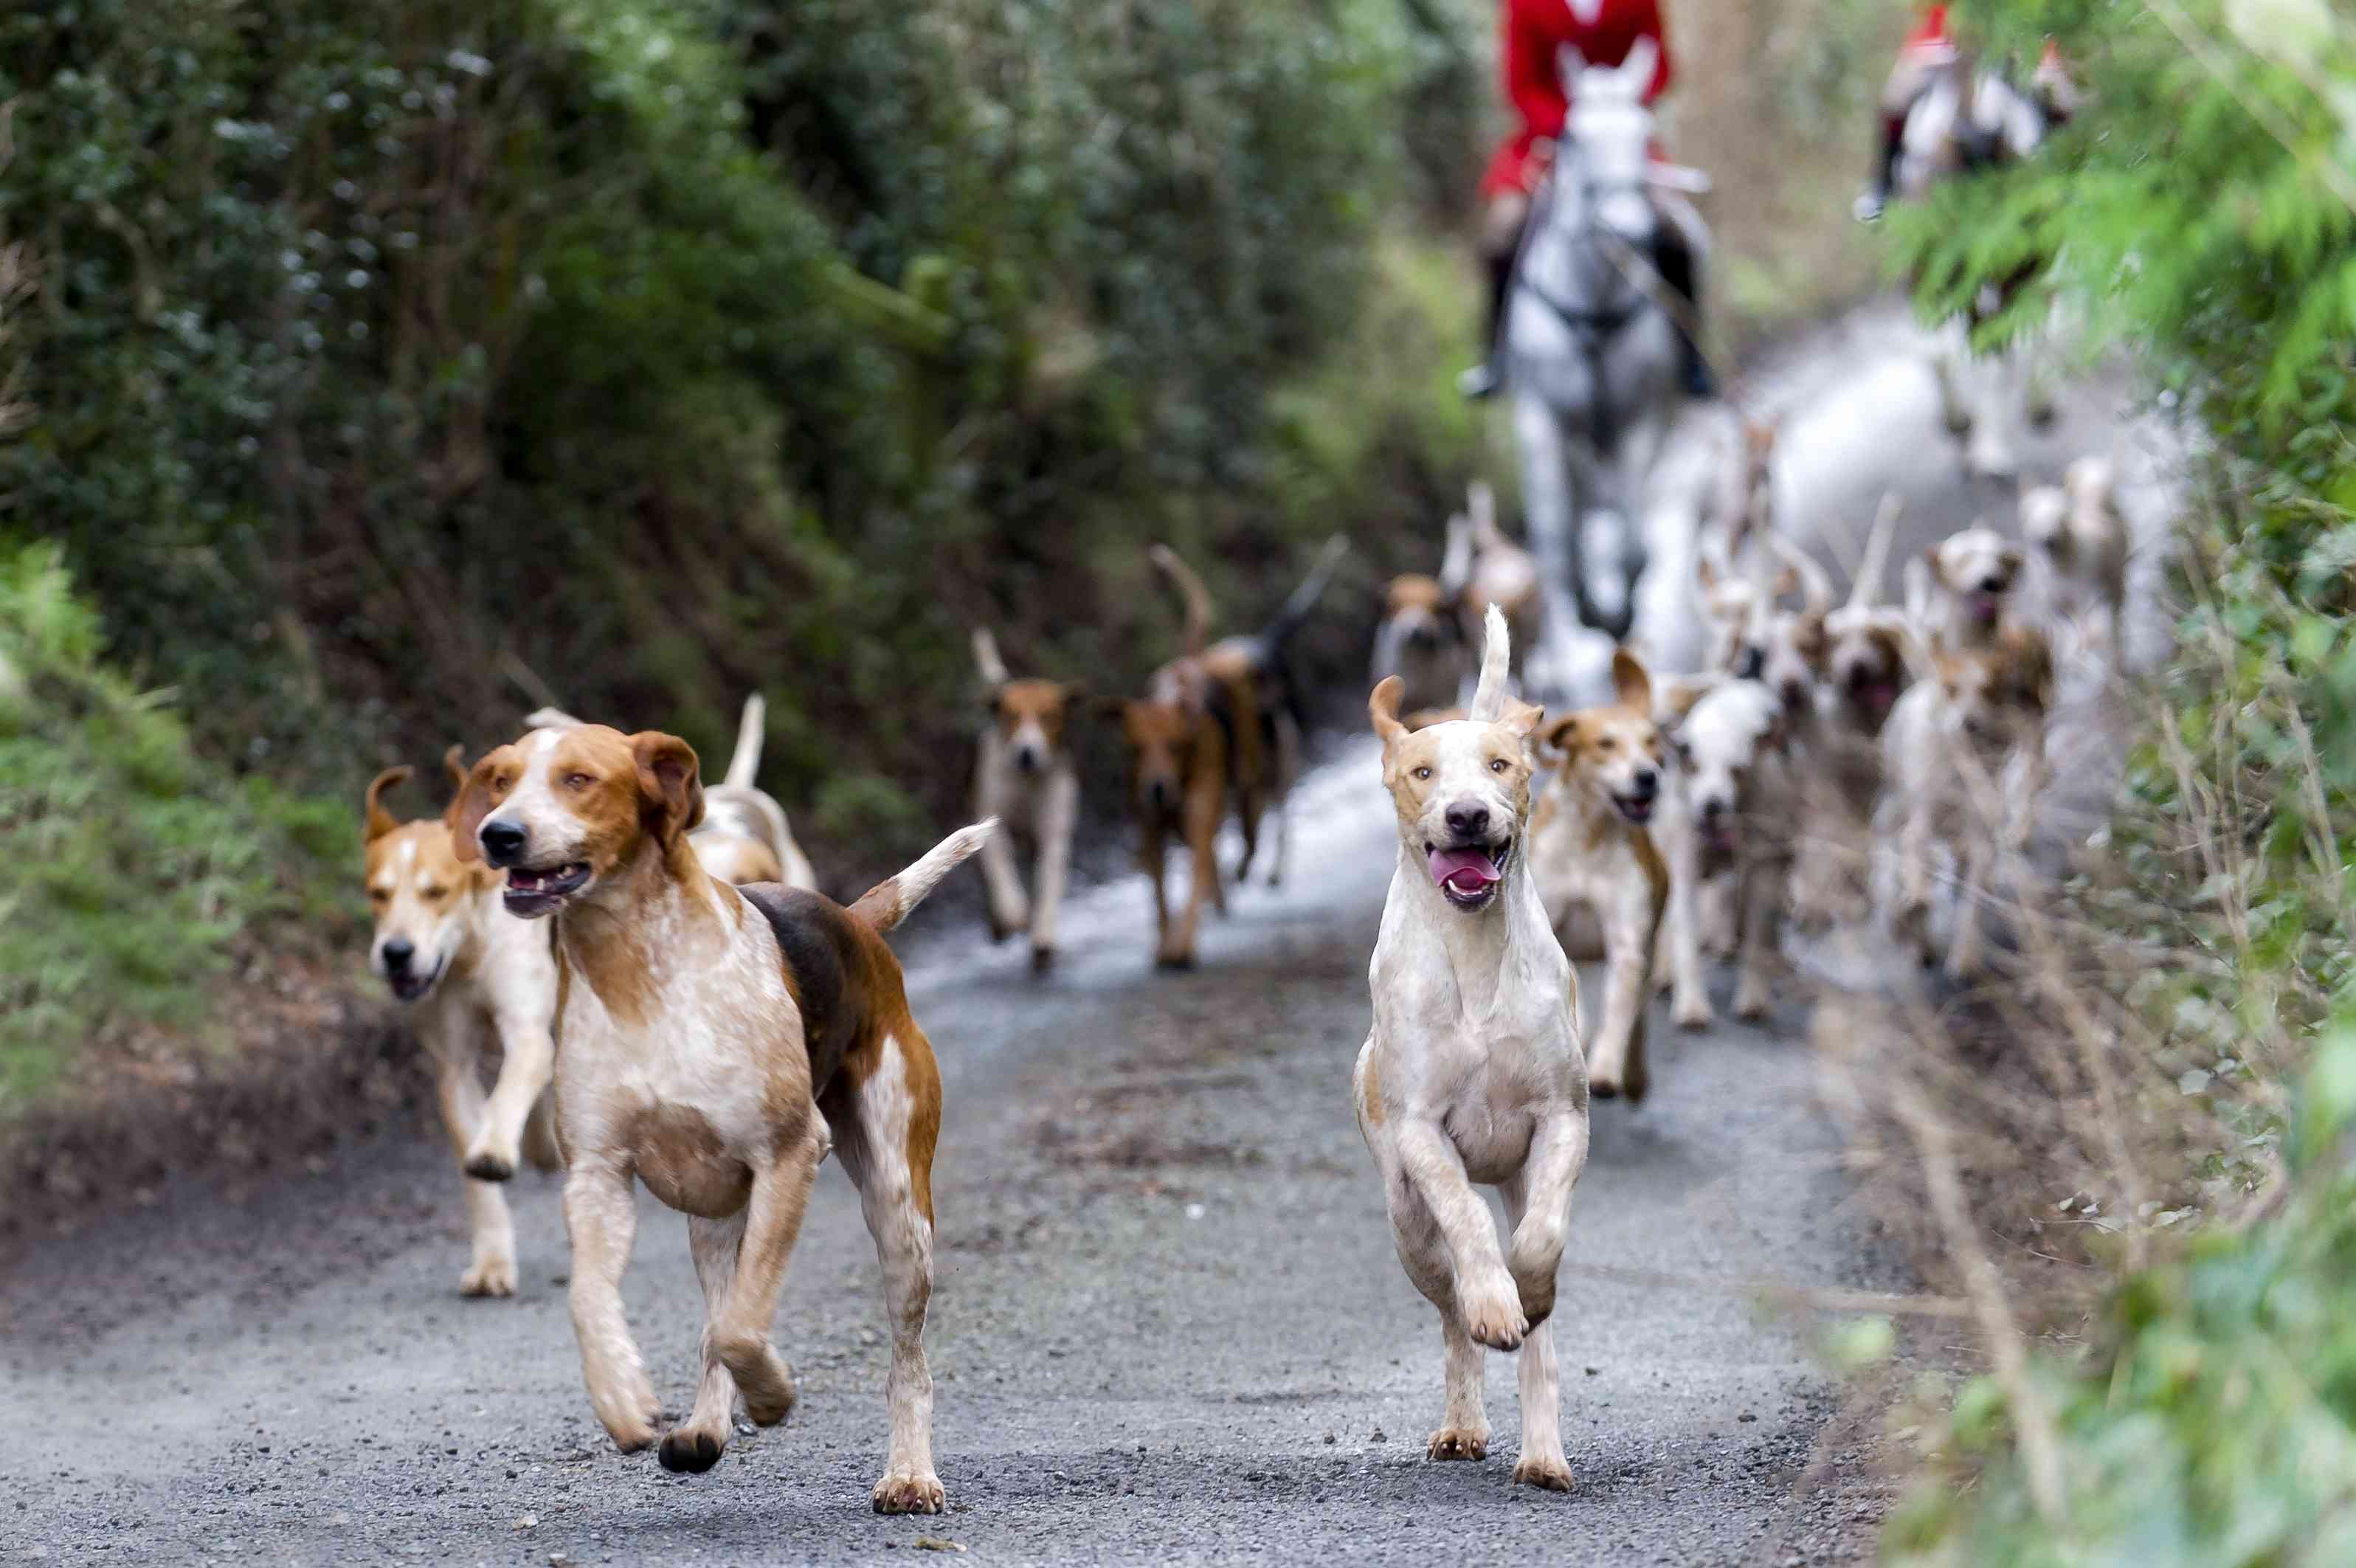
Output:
x,y
1965,756
1731,814
1472,1072
2078,539
1025,777
1962,591
472,974
1590,850
716,1042
745,836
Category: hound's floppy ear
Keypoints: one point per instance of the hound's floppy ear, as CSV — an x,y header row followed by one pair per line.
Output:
x,y
1522,719
1933,563
380,821
1678,696
2011,558
474,803
454,763
1382,707
1556,736
1630,678
670,792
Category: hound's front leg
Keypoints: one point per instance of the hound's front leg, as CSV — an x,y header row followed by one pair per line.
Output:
x,y
737,1331
1008,910
1691,1009
492,1269
1059,818
1762,885
1557,1154
1483,1288
697,1445
1203,884
531,1060
1543,1463
1616,1062
601,1216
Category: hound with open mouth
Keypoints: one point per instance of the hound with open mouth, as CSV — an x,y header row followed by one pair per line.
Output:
x,y
717,1042
1601,877
472,975
1963,591
1473,1072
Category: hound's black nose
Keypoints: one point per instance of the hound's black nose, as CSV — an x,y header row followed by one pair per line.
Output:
x,y
1713,809
1160,792
502,843
1468,822
1026,760
397,954
1991,584
1753,660
1648,784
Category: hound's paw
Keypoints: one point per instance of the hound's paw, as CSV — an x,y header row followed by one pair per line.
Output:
x,y
490,1276
1458,1443
1694,1016
486,1166
1492,1316
1551,1475
1042,959
1174,960
902,1491
689,1453
1603,1083
762,1377
1751,1005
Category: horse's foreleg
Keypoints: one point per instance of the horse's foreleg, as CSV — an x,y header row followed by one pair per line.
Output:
x,y
1550,503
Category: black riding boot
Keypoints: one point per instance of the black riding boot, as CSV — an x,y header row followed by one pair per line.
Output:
x,y
1483,379
1674,260
1872,201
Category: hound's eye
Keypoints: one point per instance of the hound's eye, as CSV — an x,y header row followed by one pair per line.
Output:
x,y
1422,774
431,895
1605,743
379,896
578,782
1496,765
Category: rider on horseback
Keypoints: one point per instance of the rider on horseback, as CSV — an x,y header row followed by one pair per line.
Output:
x,y
1928,47
1537,34
1932,47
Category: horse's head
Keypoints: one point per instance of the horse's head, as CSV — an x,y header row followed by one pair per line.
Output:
x,y
1609,137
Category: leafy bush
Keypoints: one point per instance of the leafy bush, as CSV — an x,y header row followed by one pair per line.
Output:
x,y
2202,214
133,864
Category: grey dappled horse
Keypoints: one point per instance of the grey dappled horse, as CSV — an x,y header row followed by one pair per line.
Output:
x,y
1592,358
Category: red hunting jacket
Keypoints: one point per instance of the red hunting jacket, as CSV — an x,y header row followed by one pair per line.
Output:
x,y
1536,33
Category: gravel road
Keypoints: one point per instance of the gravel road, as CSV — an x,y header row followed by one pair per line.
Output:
x,y
1169,1325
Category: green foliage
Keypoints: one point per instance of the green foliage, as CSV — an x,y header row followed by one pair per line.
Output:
x,y
133,864
2216,1423
2199,214
403,363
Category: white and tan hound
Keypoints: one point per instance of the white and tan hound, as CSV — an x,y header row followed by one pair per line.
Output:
x,y
715,1039
472,975
1473,1073
1025,777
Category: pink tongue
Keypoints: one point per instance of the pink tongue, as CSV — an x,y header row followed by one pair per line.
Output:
x,y
1466,870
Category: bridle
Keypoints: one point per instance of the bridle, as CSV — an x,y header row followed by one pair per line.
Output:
x,y
1592,329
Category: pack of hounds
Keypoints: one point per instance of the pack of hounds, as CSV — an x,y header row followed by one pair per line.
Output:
x,y
725,1027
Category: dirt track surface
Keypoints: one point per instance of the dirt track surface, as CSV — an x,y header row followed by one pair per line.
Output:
x,y
1168,1323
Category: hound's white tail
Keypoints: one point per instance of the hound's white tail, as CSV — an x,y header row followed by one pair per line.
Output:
x,y
745,765
986,659
1489,696
889,901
